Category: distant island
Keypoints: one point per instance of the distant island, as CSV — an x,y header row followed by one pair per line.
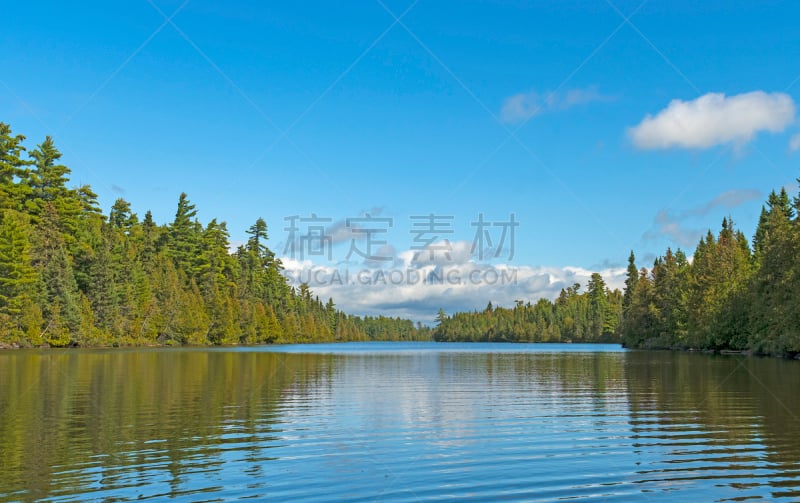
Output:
x,y
72,276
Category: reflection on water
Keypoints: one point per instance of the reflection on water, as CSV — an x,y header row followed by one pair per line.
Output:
x,y
400,422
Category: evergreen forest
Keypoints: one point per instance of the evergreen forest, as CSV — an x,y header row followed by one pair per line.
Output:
x,y
73,276
733,295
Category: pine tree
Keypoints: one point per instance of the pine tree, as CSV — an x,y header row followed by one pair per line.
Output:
x,y
48,179
58,283
630,281
121,216
18,277
183,234
12,169
771,289
257,241
598,305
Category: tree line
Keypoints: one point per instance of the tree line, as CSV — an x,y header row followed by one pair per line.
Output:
x,y
592,316
730,295
73,276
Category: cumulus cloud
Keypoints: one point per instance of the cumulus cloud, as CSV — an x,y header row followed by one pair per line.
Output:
x,y
673,225
416,289
441,253
714,119
523,106
794,142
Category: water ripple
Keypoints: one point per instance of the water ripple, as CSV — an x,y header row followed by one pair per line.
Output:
x,y
411,425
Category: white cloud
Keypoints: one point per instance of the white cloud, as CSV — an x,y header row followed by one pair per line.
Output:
x,y
440,253
794,142
714,119
417,289
523,106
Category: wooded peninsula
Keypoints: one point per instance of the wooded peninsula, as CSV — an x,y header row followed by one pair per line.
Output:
x,y
72,276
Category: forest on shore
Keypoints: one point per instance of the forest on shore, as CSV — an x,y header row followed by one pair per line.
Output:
x,y
73,276
731,296
592,316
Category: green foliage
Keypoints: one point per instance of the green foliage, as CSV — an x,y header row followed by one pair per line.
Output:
x,y
13,168
71,276
730,297
17,274
574,317
630,282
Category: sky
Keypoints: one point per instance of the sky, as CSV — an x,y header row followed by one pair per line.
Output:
x,y
415,155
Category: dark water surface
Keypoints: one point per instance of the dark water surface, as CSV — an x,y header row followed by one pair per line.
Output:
x,y
417,421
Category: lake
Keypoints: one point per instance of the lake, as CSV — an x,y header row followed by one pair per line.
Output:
x,y
397,422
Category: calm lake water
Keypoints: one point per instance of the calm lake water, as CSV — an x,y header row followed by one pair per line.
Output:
x,y
397,421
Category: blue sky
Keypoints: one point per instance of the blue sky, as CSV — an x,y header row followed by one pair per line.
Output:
x,y
539,109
